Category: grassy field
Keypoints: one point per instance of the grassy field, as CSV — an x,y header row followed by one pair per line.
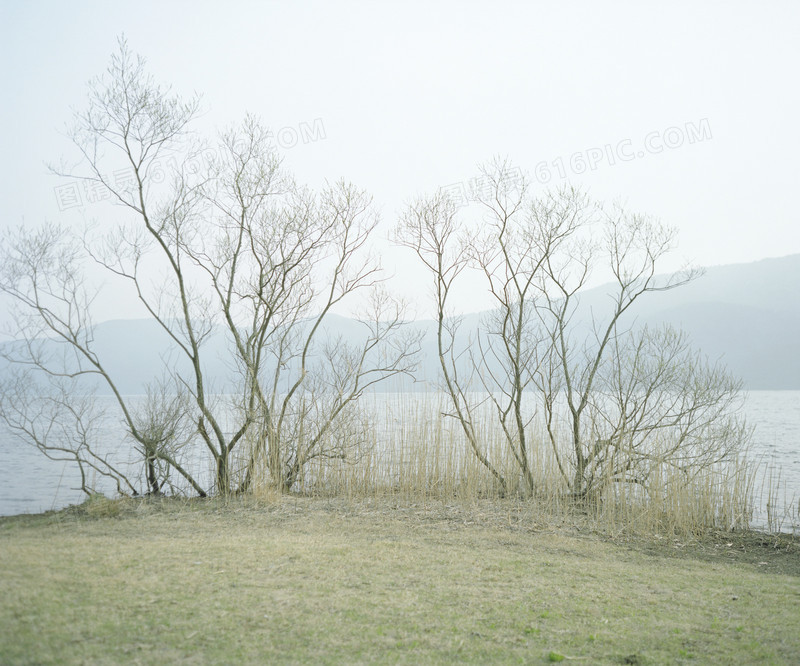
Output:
x,y
299,580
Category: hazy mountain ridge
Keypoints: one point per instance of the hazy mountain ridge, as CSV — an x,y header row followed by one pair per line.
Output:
x,y
745,315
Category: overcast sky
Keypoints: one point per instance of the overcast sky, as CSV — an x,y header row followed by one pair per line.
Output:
x,y
686,111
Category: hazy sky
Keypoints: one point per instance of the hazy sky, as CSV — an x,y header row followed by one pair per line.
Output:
x,y
687,111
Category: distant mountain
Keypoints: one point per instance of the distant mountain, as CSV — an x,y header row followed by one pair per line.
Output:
x,y
760,346
746,315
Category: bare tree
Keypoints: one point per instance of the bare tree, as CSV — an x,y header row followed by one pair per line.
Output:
x,y
519,238
631,248
429,227
280,259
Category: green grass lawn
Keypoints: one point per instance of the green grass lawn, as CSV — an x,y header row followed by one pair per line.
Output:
x,y
330,581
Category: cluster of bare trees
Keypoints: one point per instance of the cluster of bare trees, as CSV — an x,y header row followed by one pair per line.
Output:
x,y
613,401
239,246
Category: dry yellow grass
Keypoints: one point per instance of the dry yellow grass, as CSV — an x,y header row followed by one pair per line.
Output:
x,y
310,580
411,450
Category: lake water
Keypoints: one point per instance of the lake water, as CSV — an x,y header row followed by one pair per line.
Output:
x,y
30,483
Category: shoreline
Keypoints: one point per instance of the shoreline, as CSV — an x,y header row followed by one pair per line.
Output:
x,y
515,514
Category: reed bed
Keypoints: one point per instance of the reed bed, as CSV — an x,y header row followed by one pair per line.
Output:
x,y
410,449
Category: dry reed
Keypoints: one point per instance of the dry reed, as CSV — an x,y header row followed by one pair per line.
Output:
x,y
414,451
